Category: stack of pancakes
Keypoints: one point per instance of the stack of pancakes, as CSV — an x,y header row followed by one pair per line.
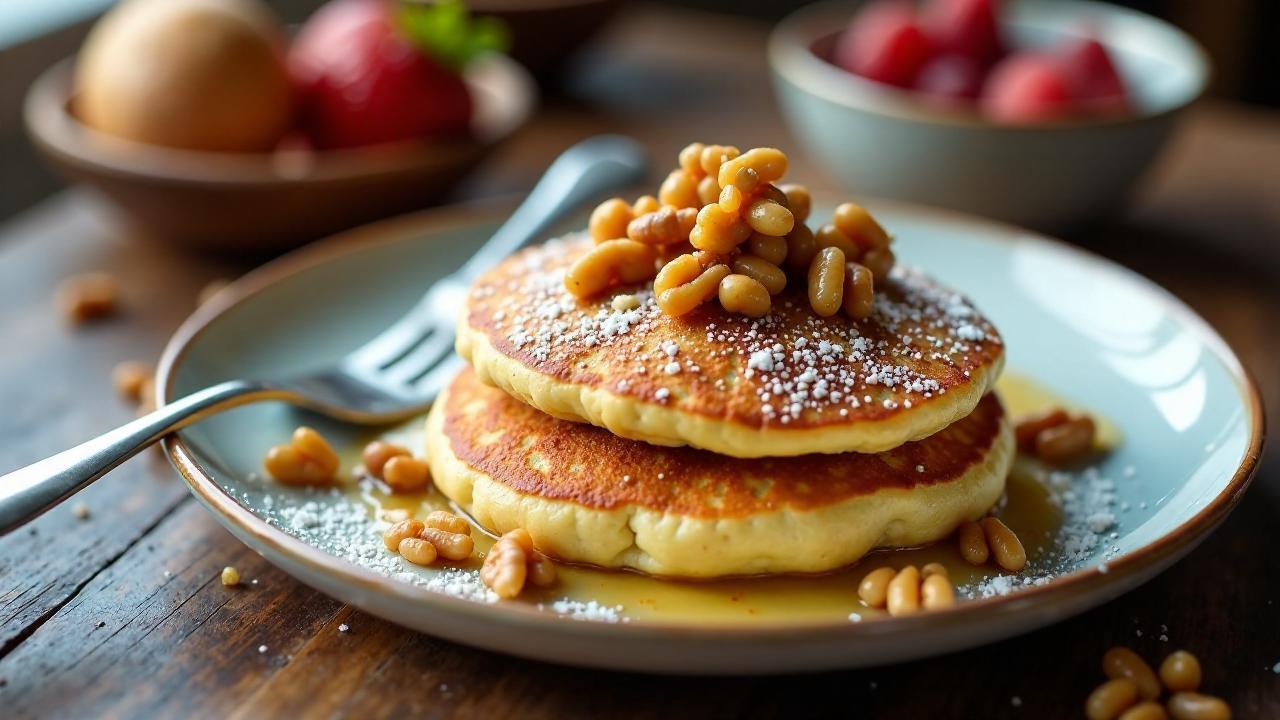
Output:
x,y
713,444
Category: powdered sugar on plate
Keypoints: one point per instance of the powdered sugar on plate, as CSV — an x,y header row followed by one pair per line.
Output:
x,y
339,523
1089,505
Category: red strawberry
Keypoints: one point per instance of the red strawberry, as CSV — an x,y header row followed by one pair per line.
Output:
x,y
884,43
1096,83
1028,87
361,82
950,78
964,27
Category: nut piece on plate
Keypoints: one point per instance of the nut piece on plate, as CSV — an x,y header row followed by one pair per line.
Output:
x,y
89,296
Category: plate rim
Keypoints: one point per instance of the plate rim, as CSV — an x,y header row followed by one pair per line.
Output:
x,y
1060,590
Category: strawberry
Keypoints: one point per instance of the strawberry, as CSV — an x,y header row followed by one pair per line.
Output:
x,y
1095,82
964,27
369,72
950,78
1028,87
884,43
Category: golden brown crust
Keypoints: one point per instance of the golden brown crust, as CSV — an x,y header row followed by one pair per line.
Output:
x,y
712,379
533,454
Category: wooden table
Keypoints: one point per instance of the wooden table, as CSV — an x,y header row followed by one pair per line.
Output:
x,y
122,614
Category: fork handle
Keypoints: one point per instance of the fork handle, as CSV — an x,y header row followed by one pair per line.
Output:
x,y
597,165
27,492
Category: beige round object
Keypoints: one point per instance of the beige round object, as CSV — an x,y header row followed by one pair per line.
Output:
x,y
195,74
588,496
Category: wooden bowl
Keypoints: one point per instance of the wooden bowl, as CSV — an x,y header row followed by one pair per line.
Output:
x,y
268,202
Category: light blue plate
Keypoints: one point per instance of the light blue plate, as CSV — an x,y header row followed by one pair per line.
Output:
x,y
1096,334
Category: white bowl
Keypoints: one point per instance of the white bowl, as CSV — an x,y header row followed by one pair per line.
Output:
x,y
884,141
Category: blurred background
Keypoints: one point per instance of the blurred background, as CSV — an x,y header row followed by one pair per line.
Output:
x,y
1239,36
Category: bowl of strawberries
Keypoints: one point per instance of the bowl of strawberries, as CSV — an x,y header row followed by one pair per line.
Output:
x,y
209,124
1041,113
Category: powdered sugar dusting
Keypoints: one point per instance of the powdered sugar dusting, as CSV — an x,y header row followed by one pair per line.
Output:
x,y
337,522
788,367
1089,504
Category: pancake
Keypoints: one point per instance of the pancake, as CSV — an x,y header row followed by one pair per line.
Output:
x,y
589,496
791,383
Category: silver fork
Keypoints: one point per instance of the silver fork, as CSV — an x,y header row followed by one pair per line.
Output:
x,y
394,376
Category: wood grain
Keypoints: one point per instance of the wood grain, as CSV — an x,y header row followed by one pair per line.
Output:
x,y
91,625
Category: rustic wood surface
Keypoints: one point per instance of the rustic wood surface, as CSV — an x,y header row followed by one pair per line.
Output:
x,y
123,615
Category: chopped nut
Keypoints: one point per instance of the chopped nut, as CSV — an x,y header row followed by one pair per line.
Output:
x,y
87,297
230,576
131,379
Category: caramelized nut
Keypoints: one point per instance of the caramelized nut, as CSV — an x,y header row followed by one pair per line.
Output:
x,y
405,473
744,295
377,453
417,551
799,201
770,164
1145,710
408,528
447,521
713,156
645,204
679,190
826,281
1066,443
666,226
230,576
609,220
611,263
90,296
1121,662
718,230
307,460
505,567
731,199
521,537
1028,428
1195,706
936,592
1110,699
769,218
1180,672
973,543
904,592
801,248
449,545
1005,545
129,378
859,226
541,572
880,262
762,271
313,445
934,568
708,190
829,236
769,248
691,159
859,291
683,284
874,588
746,180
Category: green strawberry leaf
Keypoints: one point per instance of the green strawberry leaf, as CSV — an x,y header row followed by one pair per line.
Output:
x,y
447,32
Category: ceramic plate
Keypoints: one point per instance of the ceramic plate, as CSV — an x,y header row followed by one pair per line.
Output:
x,y
1184,419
